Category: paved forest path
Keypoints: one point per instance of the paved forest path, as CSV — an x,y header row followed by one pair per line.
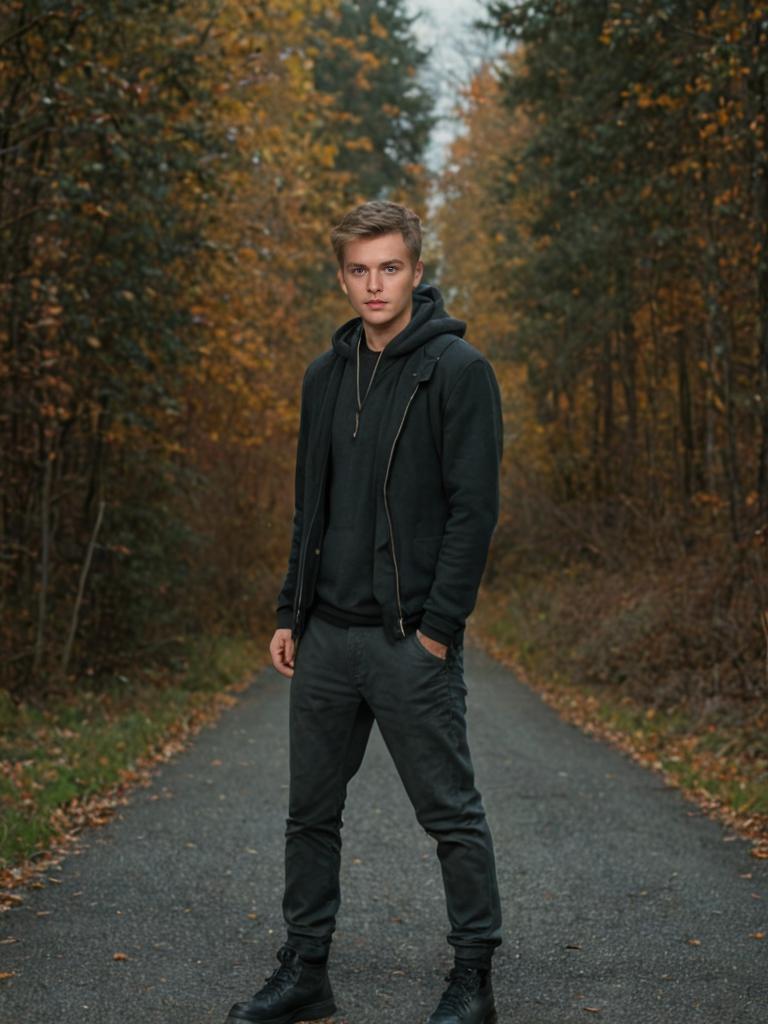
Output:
x,y
607,879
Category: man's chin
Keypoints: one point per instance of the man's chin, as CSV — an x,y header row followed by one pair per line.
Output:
x,y
380,319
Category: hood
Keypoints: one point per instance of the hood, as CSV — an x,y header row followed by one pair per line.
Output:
x,y
429,319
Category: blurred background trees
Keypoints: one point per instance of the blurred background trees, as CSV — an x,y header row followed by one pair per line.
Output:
x,y
614,164
168,176
169,173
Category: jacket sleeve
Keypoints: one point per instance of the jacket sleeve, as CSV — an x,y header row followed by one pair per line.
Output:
x,y
287,594
471,458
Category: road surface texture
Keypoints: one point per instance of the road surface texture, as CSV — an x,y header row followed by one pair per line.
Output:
x,y
622,903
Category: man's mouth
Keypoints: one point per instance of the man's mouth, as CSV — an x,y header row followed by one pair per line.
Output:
x,y
375,302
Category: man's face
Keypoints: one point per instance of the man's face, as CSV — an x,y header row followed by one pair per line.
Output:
x,y
378,278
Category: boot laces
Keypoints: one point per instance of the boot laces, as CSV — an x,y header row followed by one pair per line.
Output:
x,y
285,975
463,983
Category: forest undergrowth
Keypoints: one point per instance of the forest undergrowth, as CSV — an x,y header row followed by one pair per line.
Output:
x,y
662,657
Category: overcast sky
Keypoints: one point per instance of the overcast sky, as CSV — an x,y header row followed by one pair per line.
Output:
x,y
445,26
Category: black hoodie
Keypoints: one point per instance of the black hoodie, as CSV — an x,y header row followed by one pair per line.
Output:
x,y
344,591
395,525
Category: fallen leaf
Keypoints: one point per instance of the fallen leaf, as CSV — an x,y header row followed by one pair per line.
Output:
x,y
758,935
591,1009
119,956
7,974
694,942
761,852
7,942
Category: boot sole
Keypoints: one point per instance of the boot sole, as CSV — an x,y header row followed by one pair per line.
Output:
x,y
315,1012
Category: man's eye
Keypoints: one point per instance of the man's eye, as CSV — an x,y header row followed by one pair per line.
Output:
x,y
391,269
358,271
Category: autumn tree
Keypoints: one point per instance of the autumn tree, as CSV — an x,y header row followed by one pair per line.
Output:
x,y
372,65
643,254
163,179
613,169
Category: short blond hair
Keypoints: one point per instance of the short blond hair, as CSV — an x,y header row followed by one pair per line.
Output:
x,y
378,217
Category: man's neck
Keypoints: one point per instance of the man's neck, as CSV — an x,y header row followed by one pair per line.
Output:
x,y
377,338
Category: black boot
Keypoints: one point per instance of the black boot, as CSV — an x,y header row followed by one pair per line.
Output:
x,y
295,991
468,998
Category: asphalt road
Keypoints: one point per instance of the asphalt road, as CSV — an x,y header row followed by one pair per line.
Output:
x,y
622,903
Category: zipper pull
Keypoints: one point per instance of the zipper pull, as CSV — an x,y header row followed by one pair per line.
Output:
x,y
402,627
357,426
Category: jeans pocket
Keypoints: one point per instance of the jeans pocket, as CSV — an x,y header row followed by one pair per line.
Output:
x,y
425,650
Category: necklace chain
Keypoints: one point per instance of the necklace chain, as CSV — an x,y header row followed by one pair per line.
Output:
x,y
361,401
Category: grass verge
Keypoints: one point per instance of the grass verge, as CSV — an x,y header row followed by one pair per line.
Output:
x,y
70,761
716,754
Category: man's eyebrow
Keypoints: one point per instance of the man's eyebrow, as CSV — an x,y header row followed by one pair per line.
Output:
x,y
383,263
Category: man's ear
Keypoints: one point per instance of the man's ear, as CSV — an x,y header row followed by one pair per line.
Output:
x,y
342,282
418,273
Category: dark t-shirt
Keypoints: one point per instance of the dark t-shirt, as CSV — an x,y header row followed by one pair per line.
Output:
x,y
344,592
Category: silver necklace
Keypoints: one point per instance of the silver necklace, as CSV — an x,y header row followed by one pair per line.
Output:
x,y
361,401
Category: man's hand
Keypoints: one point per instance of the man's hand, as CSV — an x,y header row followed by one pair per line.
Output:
x,y
433,646
281,649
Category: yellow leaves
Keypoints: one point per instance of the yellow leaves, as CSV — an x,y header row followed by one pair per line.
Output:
x,y
377,29
646,99
607,30
326,154
727,197
363,144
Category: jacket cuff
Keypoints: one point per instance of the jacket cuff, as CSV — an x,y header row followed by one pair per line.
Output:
x,y
435,632
284,618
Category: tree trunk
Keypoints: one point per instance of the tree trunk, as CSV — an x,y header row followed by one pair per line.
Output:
x,y
686,415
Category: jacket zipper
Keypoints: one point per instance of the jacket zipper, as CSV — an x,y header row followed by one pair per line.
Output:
x,y
303,557
389,517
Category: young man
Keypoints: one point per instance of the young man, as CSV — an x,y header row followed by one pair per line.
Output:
x,y
397,493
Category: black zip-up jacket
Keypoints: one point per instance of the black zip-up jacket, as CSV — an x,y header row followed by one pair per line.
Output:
x,y
437,475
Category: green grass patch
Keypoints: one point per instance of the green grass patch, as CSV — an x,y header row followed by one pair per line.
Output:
x,y
81,744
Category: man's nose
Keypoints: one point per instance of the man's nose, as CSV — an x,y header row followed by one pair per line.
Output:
x,y
374,282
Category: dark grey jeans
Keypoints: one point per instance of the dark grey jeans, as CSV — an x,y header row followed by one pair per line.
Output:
x,y
344,678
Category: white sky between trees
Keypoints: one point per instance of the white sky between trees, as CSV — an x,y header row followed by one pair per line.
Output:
x,y
445,26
